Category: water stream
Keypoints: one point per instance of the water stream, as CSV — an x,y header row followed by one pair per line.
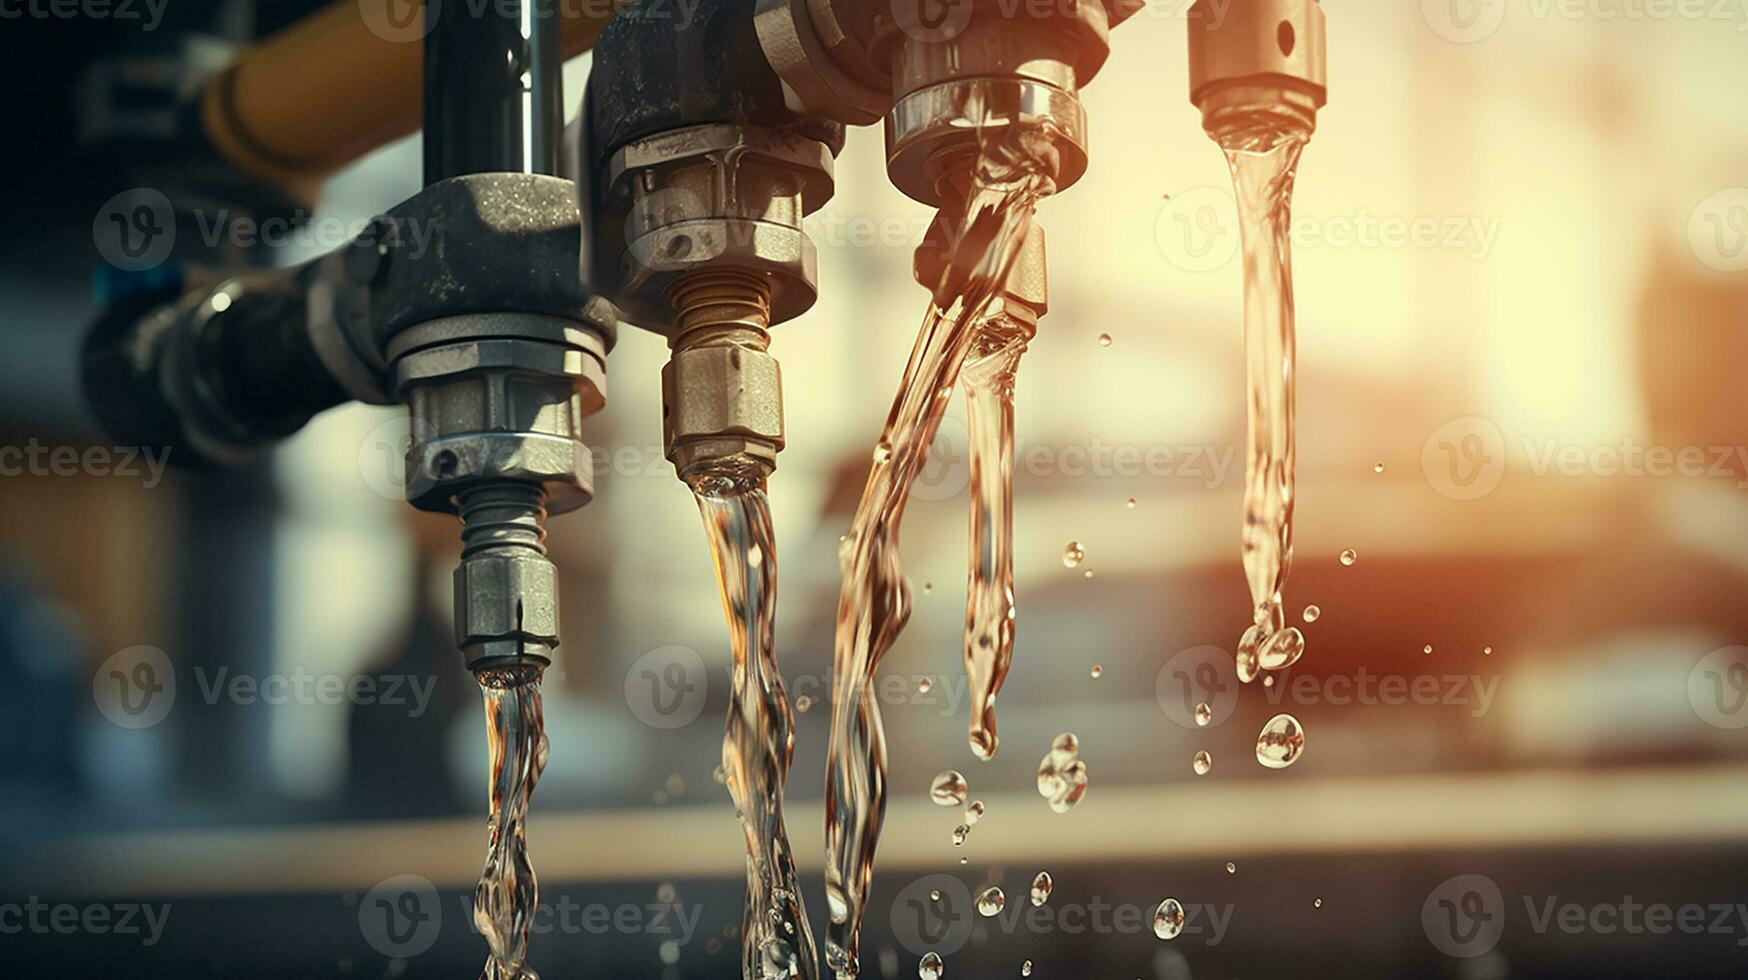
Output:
x,y
874,603
1264,163
759,743
988,382
508,894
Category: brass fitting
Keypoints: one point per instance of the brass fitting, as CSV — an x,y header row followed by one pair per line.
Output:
x,y
722,391
1259,65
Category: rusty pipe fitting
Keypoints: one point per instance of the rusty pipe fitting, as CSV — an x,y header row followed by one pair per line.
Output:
x,y
722,391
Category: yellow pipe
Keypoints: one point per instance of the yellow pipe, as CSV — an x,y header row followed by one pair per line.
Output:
x,y
318,95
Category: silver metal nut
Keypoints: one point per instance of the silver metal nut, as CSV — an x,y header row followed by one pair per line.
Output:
x,y
499,597
722,391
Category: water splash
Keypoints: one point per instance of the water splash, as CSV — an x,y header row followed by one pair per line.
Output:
x,y
1264,164
759,742
508,893
874,603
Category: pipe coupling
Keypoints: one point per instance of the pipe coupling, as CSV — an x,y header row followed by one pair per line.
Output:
x,y
722,391
710,198
499,396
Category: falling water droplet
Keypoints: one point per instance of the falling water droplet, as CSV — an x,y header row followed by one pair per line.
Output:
x,y
960,833
1283,650
1062,775
1087,574
1073,555
1268,681
1487,651
931,966
1104,340
1042,886
1204,715
1202,763
1098,671
1317,904
925,685
949,789
1349,556
1312,613
803,704
1249,659
1231,868
1026,968
1132,503
1281,742
928,587
974,813
1168,919
991,902
1426,649
1378,468
935,895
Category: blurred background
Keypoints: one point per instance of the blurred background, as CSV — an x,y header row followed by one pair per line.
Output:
x,y
1521,239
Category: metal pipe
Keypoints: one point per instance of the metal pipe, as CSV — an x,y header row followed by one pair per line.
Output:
x,y
318,95
493,88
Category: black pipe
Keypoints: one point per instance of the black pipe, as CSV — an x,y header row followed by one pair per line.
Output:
x,y
494,88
